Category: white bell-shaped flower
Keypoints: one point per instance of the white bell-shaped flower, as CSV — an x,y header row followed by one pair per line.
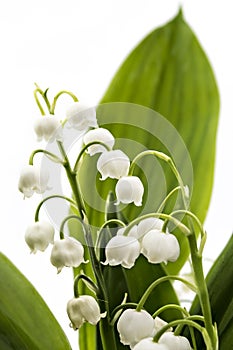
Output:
x,y
175,342
160,247
81,117
83,309
48,127
33,179
39,235
129,189
99,135
149,344
113,164
147,225
122,250
135,325
67,252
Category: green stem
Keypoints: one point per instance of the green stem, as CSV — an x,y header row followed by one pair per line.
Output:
x,y
72,180
52,108
44,96
50,155
89,281
48,198
159,281
167,198
64,222
202,290
84,149
170,306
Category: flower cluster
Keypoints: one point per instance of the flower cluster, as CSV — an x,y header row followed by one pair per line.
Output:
x,y
138,328
148,235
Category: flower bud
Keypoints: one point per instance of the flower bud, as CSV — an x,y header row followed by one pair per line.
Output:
x,y
135,325
175,342
48,127
81,117
33,179
100,135
83,309
122,250
39,235
129,189
160,247
113,164
149,344
67,252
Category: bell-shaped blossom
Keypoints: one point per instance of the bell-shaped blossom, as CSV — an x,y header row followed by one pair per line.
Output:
x,y
67,252
132,232
83,309
113,164
39,235
160,247
149,344
48,127
81,117
175,342
122,250
129,189
99,135
33,179
134,326
147,225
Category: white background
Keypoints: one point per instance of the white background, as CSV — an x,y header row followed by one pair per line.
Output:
x,y
78,45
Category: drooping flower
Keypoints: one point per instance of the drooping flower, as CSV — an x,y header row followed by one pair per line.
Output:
x,y
122,250
134,326
33,179
113,164
81,117
83,309
99,135
67,252
160,247
129,189
149,344
175,342
39,235
48,127
147,225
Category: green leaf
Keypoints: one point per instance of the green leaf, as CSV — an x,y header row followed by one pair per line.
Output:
x,y
220,286
26,323
167,72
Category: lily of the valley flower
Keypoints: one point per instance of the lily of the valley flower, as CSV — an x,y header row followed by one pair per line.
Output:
x,y
81,117
33,179
39,235
113,164
129,189
147,225
149,344
48,127
67,252
160,247
83,309
122,250
175,342
100,135
135,325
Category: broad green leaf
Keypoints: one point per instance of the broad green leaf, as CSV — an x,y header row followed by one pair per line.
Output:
x,y
26,323
220,286
167,72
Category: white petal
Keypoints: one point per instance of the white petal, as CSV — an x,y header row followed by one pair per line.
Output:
x,y
129,189
122,250
113,164
81,116
147,225
174,342
154,247
39,235
100,135
135,325
148,344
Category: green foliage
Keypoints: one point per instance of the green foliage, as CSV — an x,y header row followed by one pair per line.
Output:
x,y
167,72
220,286
26,323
